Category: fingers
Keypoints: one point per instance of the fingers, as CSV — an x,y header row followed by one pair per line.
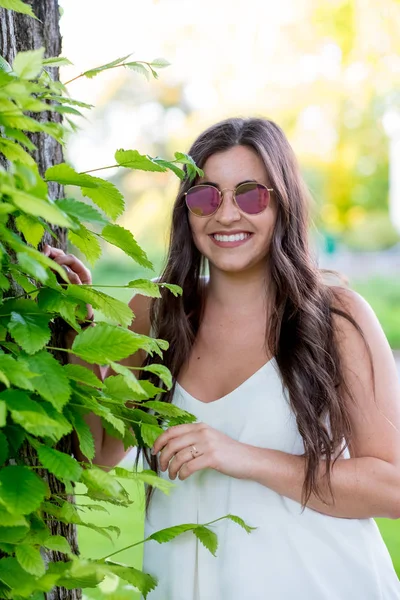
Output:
x,y
180,459
72,276
76,270
174,447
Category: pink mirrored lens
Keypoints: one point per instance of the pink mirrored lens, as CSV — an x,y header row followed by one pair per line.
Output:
x,y
252,198
203,200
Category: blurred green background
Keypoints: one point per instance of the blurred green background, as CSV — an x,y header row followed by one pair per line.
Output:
x,y
327,71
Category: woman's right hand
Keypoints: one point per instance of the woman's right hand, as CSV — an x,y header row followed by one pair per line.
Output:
x,y
76,271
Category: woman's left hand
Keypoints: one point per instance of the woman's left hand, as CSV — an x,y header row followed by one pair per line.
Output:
x,y
185,449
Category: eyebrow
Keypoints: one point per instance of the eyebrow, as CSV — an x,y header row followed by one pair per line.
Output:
x,y
217,186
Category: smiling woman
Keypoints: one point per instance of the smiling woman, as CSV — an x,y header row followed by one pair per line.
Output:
x,y
293,384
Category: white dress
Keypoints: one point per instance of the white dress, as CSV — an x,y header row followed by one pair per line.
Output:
x,y
290,556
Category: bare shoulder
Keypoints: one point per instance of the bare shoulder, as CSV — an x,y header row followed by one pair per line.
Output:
x,y
375,409
352,345
140,306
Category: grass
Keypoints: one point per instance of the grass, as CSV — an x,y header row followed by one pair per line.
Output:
x,y
383,294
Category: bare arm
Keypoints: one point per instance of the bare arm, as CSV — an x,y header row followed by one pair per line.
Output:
x,y
109,451
365,485
368,483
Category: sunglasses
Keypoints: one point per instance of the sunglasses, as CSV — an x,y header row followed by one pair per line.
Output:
x,y
251,198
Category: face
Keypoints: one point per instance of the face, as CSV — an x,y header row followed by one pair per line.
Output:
x,y
253,232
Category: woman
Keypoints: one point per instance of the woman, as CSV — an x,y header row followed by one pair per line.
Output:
x,y
293,384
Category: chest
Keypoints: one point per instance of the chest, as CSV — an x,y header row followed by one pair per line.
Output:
x,y
222,358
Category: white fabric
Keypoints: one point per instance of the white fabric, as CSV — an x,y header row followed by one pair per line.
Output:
x,y
291,555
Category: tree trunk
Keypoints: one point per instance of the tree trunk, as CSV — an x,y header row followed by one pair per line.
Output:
x,y
19,32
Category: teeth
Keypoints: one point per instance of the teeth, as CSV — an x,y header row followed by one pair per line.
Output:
x,y
238,237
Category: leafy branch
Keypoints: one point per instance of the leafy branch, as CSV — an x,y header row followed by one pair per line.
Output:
x,y
41,401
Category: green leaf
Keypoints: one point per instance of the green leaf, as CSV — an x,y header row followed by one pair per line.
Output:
x,y
129,377
105,342
31,229
144,582
101,481
93,72
163,372
192,169
18,6
122,238
146,476
132,159
39,208
86,242
32,267
171,166
106,196
30,331
60,464
144,287
36,418
15,134
59,543
170,410
66,175
16,371
207,537
9,520
150,389
27,65
14,576
150,433
14,152
117,387
240,522
117,311
21,490
51,381
15,435
160,63
30,559
81,211
13,534
102,411
138,68
85,436
56,61
3,448
175,289
55,301
170,533
5,66
82,375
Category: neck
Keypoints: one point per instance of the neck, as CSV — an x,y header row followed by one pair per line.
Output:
x,y
239,292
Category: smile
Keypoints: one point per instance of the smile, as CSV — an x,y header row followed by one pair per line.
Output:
x,y
231,240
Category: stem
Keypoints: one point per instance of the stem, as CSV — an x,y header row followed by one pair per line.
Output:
x,y
149,538
108,68
27,293
98,169
60,349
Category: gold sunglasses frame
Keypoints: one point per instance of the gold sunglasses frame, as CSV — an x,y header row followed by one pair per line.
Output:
x,y
221,197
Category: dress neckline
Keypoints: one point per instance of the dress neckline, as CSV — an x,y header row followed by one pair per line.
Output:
x,y
238,388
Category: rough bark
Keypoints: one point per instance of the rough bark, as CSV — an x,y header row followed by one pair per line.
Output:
x,y
20,32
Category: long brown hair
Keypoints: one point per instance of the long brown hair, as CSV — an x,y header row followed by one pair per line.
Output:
x,y
300,333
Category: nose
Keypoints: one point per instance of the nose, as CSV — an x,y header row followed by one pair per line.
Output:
x,y
228,212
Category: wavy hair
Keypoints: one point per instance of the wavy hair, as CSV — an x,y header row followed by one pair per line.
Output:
x,y
300,334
